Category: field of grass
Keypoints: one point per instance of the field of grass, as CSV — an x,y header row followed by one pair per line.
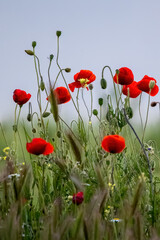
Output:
x,y
96,179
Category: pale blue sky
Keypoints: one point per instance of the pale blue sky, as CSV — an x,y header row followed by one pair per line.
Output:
x,y
95,33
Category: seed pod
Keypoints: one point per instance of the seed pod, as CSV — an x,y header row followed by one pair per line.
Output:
x,y
91,86
103,83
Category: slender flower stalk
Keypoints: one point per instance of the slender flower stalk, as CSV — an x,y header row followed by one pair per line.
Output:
x,y
146,116
114,85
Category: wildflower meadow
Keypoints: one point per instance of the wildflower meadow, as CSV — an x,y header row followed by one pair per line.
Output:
x,y
94,178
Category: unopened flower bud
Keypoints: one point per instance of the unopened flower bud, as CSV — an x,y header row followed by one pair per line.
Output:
x,y
95,112
29,52
45,114
34,44
15,128
67,70
58,134
103,83
100,101
91,86
153,104
29,117
152,84
58,33
33,130
51,57
42,85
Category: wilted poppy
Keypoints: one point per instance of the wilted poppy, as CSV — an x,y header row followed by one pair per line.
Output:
x,y
82,79
124,77
62,95
39,146
78,198
21,97
113,143
132,89
143,85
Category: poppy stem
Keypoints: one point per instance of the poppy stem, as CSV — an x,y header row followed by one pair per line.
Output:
x,y
145,153
146,117
113,81
65,80
140,110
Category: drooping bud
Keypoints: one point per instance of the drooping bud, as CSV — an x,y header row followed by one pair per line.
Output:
x,y
58,33
95,112
29,117
67,70
45,114
153,104
29,52
100,101
152,84
103,83
34,44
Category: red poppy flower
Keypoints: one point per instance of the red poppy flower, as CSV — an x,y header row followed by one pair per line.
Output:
x,y
113,143
62,95
21,97
133,90
125,76
39,146
82,79
143,85
78,198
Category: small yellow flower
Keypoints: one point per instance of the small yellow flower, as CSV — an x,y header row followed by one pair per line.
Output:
x,y
6,150
5,158
23,163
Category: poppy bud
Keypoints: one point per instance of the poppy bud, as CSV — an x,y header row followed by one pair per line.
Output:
x,y
100,101
42,85
95,112
129,112
29,117
15,128
67,70
33,130
103,83
153,104
90,86
58,33
29,52
45,114
34,44
152,84
58,134
51,57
